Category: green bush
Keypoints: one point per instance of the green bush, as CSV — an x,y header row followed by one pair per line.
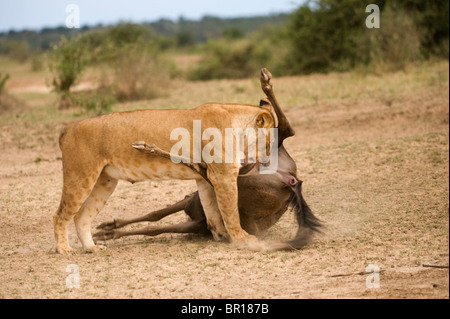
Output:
x,y
37,63
137,72
16,50
231,60
233,33
432,21
330,35
92,101
396,44
128,54
3,79
8,103
184,39
129,33
106,45
67,62
325,36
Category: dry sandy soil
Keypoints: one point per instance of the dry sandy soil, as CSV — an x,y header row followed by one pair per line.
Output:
x,y
373,152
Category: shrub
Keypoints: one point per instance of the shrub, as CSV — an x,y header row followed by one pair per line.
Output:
x,y
16,50
92,101
3,79
330,35
8,103
233,33
431,19
129,55
396,44
184,39
128,33
68,60
324,36
138,72
231,60
37,63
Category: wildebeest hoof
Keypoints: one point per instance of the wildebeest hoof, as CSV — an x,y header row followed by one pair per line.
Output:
x,y
105,235
109,225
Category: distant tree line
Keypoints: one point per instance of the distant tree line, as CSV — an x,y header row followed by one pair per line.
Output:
x,y
186,32
320,36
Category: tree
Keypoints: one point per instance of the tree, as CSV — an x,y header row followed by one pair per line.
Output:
x,y
325,36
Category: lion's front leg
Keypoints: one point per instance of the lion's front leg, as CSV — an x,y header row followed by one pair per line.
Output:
x,y
211,209
224,179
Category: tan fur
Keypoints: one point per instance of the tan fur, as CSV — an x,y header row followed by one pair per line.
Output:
x,y
97,152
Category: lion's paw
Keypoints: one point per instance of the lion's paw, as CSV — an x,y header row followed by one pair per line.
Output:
x,y
66,250
94,249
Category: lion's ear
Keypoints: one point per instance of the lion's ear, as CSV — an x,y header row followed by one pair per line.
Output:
x,y
264,120
265,104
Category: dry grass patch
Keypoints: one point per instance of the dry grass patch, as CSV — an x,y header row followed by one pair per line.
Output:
x,y
372,152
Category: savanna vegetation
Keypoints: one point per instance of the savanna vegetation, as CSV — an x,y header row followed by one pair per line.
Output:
x,y
140,61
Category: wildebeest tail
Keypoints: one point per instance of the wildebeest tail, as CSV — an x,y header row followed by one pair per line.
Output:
x,y
303,213
308,224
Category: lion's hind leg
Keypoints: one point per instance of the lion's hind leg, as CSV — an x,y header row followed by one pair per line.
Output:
x,y
77,187
102,190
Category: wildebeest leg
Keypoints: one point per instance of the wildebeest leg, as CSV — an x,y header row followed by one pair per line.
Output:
x,y
285,129
193,226
151,217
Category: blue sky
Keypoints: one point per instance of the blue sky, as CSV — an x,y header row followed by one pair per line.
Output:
x,y
36,14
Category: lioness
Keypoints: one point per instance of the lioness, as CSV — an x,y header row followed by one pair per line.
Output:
x,y
97,152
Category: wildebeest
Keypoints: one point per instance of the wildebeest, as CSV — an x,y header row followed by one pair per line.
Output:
x,y
263,198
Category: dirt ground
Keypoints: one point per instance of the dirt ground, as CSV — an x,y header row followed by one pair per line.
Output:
x,y
373,152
